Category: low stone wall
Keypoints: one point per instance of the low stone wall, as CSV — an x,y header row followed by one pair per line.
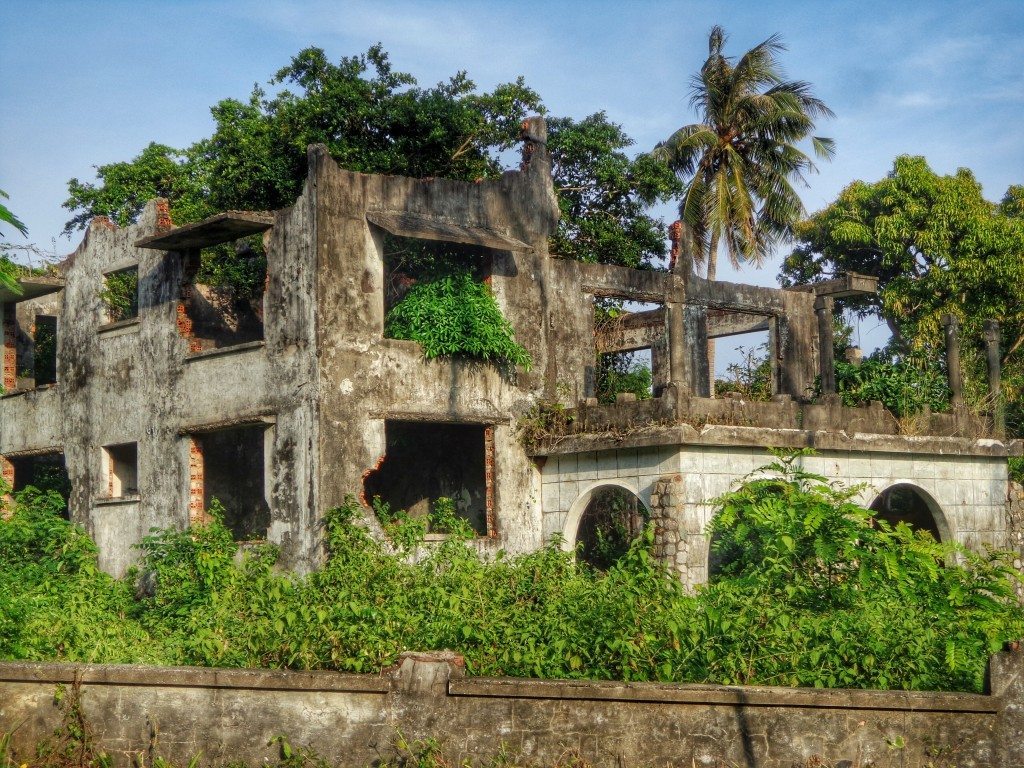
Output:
x,y
354,720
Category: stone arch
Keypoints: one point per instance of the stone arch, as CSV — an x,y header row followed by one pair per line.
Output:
x,y
599,491
904,501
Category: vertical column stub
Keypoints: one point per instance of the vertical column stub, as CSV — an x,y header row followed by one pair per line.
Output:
x,y
991,334
824,307
951,329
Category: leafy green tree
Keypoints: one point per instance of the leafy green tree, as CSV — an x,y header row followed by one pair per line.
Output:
x,y
376,120
371,118
937,247
603,195
8,271
740,160
125,187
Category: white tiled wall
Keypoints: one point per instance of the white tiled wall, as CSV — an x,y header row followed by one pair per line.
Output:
x,y
970,491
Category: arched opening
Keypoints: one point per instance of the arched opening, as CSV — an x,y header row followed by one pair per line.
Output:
x,y
905,503
612,518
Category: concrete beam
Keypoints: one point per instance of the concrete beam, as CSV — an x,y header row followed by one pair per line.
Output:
x,y
625,283
723,323
848,284
631,331
31,288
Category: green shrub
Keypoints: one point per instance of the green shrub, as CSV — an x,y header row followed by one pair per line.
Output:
x,y
451,314
811,592
619,372
903,388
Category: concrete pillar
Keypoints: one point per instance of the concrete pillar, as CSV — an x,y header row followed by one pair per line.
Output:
x,y
824,307
661,373
951,327
991,333
675,320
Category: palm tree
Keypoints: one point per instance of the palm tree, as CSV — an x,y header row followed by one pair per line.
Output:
x,y
8,278
739,162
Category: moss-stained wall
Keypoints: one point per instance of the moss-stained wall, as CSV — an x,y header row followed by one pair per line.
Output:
x,y
354,720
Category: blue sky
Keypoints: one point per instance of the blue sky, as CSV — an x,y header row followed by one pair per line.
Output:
x,y
85,83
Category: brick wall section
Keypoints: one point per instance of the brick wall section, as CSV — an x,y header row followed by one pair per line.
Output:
x,y
10,377
185,329
7,473
196,489
492,526
163,216
665,498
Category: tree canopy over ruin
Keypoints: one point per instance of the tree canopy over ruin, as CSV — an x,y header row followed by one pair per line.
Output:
x,y
374,119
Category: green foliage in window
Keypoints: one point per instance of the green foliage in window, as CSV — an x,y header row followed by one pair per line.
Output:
x,y
621,372
751,376
454,315
120,294
241,268
45,361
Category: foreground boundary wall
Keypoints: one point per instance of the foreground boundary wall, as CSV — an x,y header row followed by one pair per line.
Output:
x,y
354,720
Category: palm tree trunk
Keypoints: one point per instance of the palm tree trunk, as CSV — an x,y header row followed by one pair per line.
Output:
x,y
712,274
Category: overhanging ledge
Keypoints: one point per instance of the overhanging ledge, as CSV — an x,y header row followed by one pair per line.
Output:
x,y
221,228
32,288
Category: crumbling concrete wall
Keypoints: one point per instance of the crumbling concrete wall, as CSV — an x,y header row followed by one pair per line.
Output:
x,y
138,382
356,720
367,378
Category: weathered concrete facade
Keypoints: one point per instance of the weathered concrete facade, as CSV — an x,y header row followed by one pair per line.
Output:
x,y
305,401
356,720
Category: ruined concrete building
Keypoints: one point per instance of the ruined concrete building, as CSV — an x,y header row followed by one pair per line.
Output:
x,y
283,407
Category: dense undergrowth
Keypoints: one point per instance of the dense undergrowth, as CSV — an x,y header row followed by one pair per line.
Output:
x,y
813,592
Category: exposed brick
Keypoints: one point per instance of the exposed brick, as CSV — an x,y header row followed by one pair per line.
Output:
x,y
163,216
10,377
196,483
492,523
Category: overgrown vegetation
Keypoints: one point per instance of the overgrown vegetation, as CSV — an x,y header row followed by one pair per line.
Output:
x,y
750,376
450,313
938,247
901,386
621,372
811,592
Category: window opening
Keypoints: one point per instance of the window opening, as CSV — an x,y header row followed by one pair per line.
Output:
x,y
631,342
234,473
222,298
46,472
427,461
438,294
44,355
122,464
743,367
120,294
